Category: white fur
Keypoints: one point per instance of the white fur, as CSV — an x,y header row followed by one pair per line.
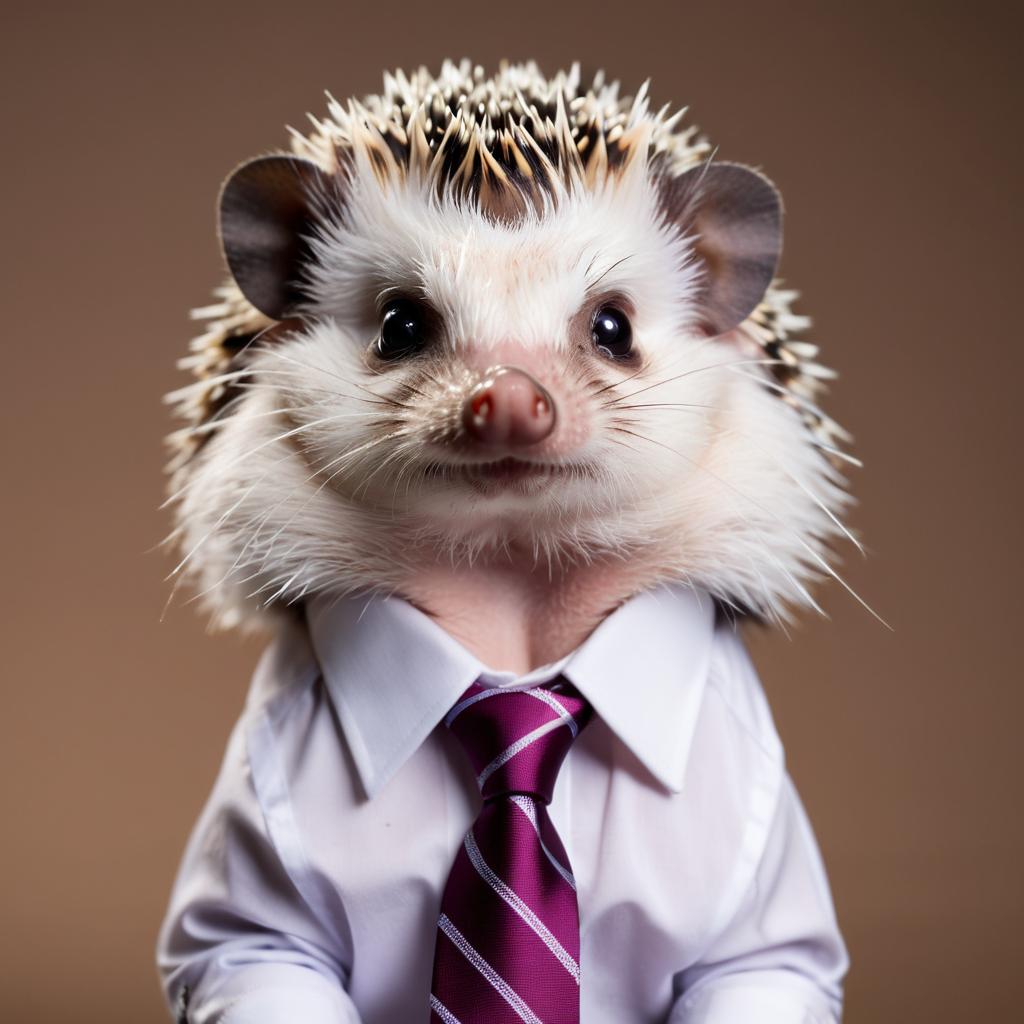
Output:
x,y
310,486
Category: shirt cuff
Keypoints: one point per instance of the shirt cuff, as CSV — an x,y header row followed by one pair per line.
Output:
x,y
753,999
272,994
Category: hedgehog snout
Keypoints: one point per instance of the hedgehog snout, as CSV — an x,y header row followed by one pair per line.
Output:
x,y
509,408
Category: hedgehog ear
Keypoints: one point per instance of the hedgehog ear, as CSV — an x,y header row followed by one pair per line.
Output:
x,y
268,213
734,216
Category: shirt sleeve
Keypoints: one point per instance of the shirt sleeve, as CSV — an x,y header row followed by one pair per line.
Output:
x,y
780,959
241,943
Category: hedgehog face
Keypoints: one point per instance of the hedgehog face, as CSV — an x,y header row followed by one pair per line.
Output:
x,y
536,335
388,425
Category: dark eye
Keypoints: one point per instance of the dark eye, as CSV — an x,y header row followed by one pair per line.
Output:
x,y
403,329
612,333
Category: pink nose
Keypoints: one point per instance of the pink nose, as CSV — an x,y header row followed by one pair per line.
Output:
x,y
509,408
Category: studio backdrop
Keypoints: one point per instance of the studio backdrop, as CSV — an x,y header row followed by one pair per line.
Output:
x,y
893,132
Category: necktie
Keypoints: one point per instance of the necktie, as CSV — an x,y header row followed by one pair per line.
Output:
x,y
508,939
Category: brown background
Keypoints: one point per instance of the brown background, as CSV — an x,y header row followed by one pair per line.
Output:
x,y
894,132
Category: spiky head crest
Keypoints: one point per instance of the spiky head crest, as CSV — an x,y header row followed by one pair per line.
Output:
x,y
511,143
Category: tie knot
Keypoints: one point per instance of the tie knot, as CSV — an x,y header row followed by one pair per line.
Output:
x,y
516,740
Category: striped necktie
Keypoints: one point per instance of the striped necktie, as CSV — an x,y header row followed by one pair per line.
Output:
x,y
508,940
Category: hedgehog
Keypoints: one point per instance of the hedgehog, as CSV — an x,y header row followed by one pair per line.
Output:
x,y
582,248
501,425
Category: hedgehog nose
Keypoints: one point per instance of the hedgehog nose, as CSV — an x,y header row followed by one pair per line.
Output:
x,y
509,408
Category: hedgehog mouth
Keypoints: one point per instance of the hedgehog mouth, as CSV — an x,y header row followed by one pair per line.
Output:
x,y
507,473
509,469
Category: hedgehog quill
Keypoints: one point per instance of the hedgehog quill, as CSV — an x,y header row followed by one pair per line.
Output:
x,y
499,426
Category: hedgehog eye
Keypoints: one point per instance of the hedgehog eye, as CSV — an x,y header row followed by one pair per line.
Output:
x,y
403,329
612,333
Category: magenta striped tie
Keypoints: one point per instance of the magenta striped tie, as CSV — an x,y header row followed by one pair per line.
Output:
x,y
508,940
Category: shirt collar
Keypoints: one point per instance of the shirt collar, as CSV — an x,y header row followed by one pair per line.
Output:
x,y
393,674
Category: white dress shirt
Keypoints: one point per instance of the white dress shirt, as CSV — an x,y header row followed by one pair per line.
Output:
x,y
310,889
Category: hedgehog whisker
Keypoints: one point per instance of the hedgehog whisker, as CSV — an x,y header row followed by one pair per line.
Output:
x,y
317,369
253,451
675,361
618,383
295,376
367,445
671,364
216,422
388,398
666,405
699,369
